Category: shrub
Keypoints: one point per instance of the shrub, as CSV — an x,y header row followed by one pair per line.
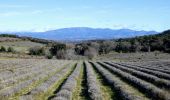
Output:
x,y
70,54
61,54
123,47
3,49
91,53
81,48
49,56
10,49
37,51
106,47
57,48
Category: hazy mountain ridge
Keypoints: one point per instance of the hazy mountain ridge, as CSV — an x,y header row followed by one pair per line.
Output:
x,y
85,33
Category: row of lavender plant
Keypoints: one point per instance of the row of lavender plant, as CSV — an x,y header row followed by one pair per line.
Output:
x,y
145,87
156,64
147,77
93,86
7,74
19,75
67,89
156,73
42,88
33,73
117,84
152,67
17,88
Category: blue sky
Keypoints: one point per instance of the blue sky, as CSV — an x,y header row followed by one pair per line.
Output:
x,y
42,15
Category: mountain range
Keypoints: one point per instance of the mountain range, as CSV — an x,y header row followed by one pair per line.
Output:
x,y
85,33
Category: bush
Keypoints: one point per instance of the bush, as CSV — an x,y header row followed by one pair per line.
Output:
x,y
56,48
123,47
61,54
49,56
91,53
81,48
3,49
106,47
37,51
10,49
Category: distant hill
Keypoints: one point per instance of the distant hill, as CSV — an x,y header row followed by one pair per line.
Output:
x,y
13,38
85,33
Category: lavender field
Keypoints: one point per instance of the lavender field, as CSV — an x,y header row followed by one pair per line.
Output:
x,y
35,79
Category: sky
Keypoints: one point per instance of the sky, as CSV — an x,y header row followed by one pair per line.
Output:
x,y
43,15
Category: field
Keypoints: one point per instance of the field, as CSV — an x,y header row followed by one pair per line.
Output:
x,y
20,46
30,79
134,57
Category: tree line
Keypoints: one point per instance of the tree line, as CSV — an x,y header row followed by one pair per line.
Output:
x,y
90,49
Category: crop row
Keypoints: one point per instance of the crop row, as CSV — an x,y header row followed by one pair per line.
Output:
x,y
21,75
93,87
67,89
145,87
123,90
156,73
14,90
147,77
43,88
152,67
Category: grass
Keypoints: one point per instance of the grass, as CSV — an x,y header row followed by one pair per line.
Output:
x,y
21,46
77,92
107,90
84,88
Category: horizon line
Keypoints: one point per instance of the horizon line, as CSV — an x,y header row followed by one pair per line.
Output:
x,y
46,30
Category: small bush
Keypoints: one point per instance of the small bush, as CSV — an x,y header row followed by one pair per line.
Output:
x,y
3,49
37,51
70,54
61,54
91,53
49,56
57,47
10,49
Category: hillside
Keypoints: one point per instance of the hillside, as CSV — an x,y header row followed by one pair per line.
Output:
x,y
159,42
148,43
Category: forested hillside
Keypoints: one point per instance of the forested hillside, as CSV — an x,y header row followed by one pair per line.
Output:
x,y
148,43
159,42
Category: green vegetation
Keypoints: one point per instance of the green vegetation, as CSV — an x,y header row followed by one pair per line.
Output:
x,y
159,42
37,51
88,49
3,49
9,35
10,49
151,43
